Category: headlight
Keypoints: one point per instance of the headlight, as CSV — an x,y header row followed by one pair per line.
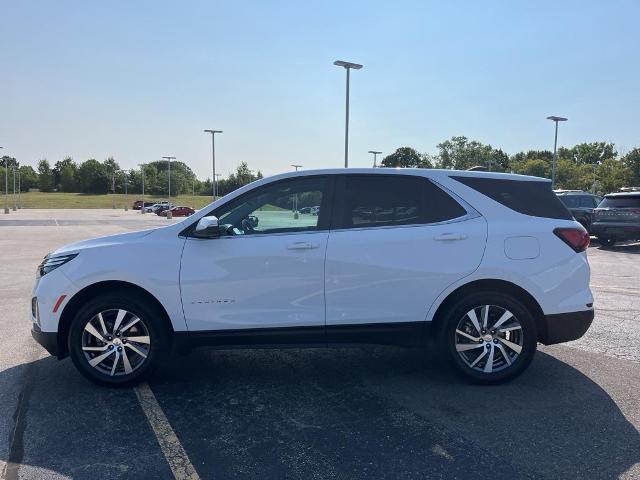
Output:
x,y
51,263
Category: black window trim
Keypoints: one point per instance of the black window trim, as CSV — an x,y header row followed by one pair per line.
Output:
x,y
324,217
339,202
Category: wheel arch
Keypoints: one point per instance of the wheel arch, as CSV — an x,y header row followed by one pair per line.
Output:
x,y
76,302
492,285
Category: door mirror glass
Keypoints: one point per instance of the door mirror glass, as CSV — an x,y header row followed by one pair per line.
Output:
x,y
207,227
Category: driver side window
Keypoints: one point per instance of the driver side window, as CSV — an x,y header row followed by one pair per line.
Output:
x,y
287,206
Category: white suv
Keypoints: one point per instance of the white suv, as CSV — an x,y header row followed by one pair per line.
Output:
x,y
486,264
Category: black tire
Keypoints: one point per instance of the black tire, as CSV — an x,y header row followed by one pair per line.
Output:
x,y
498,302
607,242
151,325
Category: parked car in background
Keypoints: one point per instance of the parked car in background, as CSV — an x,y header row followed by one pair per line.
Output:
x,y
315,211
161,207
485,264
580,204
139,205
179,211
617,218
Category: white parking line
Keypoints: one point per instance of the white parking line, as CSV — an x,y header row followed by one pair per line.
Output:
x,y
169,444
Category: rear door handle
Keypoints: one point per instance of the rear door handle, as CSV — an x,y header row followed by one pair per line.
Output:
x,y
448,237
302,246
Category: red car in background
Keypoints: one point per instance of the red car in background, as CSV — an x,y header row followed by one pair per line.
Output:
x,y
178,212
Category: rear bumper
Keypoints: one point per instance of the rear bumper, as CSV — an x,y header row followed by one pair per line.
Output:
x,y
564,327
618,231
49,340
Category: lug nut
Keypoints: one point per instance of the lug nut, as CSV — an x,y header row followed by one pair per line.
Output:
x,y
495,340
110,347
124,340
488,345
119,349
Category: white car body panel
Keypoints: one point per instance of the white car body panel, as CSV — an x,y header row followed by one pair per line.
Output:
x,y
394,274
368,274
254,281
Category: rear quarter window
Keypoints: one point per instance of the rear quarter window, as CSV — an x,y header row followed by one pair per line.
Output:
x,y
529,197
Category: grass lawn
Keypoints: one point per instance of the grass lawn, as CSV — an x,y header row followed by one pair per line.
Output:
x,y
81,200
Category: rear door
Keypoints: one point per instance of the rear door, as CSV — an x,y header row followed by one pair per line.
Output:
x,y
396,243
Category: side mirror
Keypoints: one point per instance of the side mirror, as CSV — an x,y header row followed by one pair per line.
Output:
x,y
207,227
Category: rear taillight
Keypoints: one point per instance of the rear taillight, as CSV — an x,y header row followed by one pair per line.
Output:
x,y
576,238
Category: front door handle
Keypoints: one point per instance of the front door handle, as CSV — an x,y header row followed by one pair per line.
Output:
x,y
448,237
302,246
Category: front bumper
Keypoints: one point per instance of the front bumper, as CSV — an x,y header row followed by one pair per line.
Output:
x,y
49,340
564,327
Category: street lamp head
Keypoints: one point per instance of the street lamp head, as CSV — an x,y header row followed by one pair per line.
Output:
x,y
342,63
374,152
213,131
557,119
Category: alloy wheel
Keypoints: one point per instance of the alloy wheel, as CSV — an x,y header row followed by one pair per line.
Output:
x,y
489,338
116,342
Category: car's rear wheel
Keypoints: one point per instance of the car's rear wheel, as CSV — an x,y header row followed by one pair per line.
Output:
x,y
606,242
116,339
489,337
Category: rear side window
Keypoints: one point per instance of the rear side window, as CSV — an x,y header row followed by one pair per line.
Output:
x,y
388,200
621,201
529,197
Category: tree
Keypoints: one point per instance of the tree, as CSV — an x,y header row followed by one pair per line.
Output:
x,y
592,153
64,174
93,177
460,153
612,175
534,167
45,176
28,178
546,155
632,161
406,157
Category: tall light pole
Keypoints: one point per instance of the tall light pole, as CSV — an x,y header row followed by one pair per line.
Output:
x,y
6,184
297,167
555,145
168,159
113,189
216,176
375,157
347,66
126,204
142,165
213,158
15,198
19,191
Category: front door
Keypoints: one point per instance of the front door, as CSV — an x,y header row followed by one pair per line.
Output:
x,y
266,270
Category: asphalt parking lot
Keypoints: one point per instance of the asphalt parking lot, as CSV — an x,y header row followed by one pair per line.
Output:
x,y
322,413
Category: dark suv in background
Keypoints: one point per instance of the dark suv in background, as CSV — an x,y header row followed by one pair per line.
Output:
x,y
617,218
580,204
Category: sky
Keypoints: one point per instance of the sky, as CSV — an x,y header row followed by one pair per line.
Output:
x,y
140,80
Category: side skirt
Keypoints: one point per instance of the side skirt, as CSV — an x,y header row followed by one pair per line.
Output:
x,y
410,334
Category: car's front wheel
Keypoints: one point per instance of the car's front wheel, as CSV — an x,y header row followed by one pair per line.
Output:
x,y
490,337
117,339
